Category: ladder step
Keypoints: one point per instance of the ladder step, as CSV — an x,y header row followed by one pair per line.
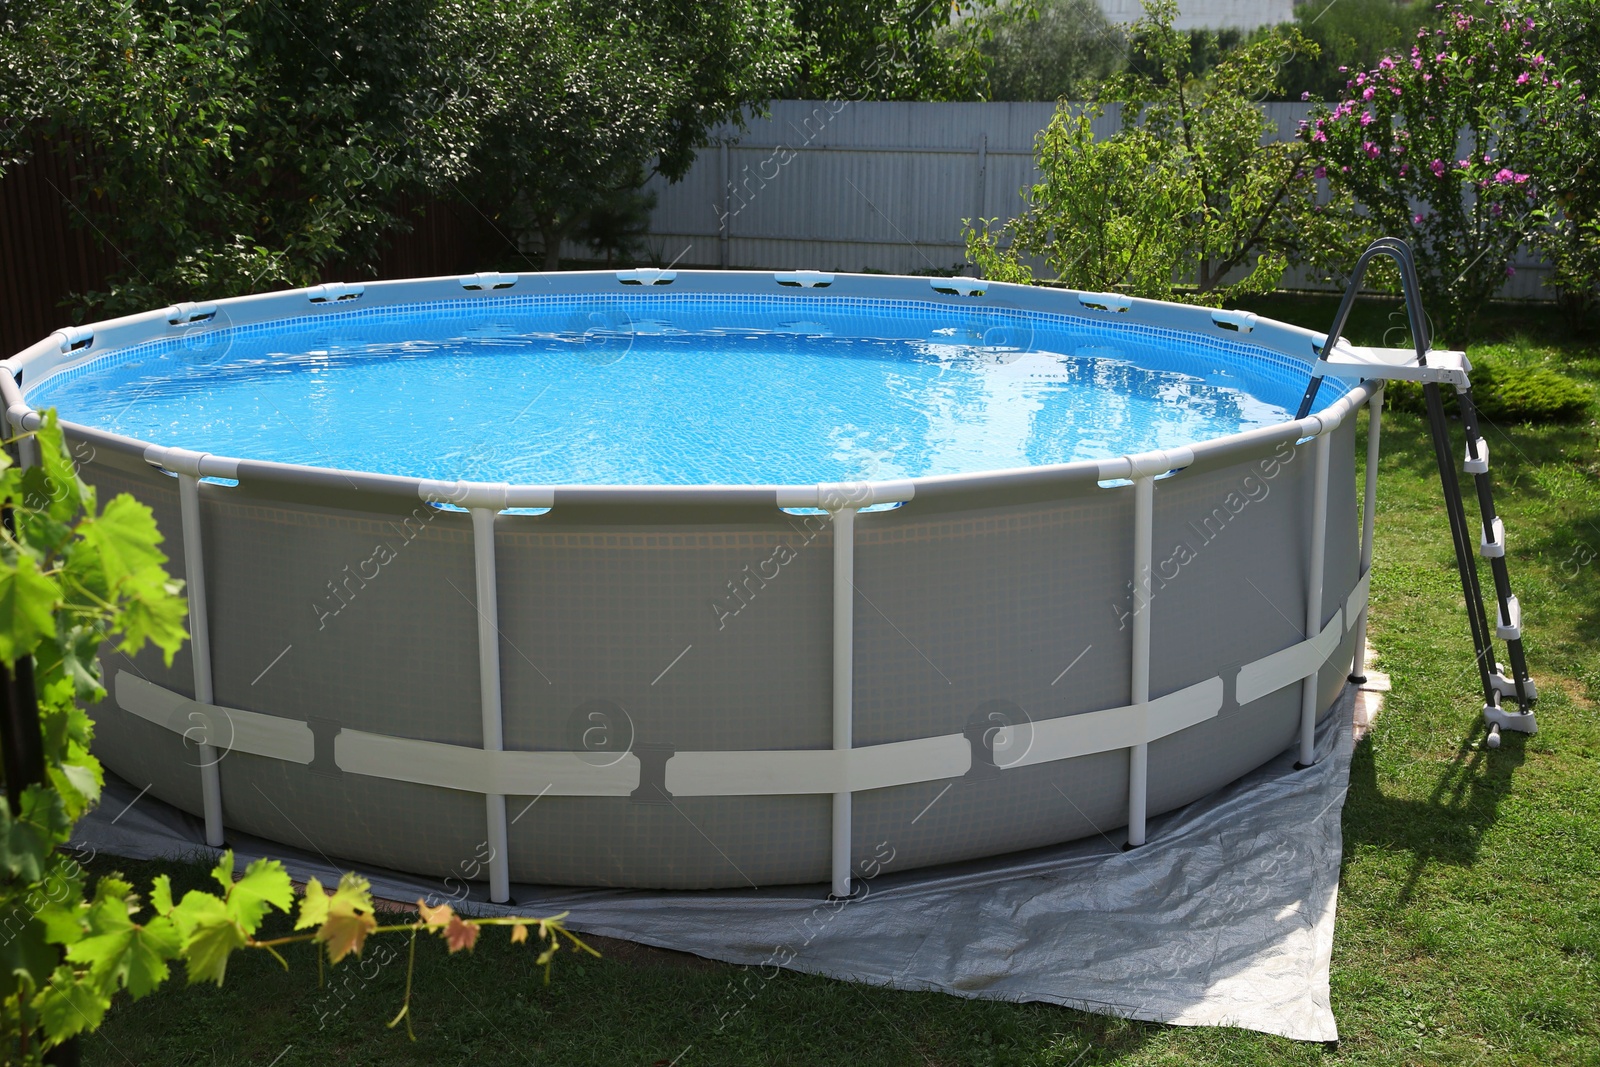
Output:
x,y
1510,629
1493,547
1507,687
1481,464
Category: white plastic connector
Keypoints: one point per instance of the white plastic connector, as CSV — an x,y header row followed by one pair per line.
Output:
x,y
188,313
194,464
74,338
646,276
334,293
1105,301
834,496
1238,321
959,286
1522,722
804,279
1507,686
1493,547
485,280
1510,629
23,417
1479,465
1146,464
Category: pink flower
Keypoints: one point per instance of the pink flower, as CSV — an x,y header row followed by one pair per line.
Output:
x,y
1366,118
1463,163
1305,95
1366,94
1522,79
1416,220
1403,170
1437,166
1510,270
1370,149
1385,63
1507,176
1486,159
1318,135
1416,64
1497,210
1320,172
1440,58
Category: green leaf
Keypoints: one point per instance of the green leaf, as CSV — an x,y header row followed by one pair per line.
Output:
x,y
28,600
313,906
153,945
265,885
69,1005
209,936
126,536
161,895
156,615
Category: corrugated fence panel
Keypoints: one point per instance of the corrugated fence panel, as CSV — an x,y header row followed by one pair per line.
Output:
x,y
871,185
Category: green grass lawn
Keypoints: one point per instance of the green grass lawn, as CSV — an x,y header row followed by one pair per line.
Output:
x,y
1469,912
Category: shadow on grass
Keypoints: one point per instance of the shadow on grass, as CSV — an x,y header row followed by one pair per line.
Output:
x,y
1450,825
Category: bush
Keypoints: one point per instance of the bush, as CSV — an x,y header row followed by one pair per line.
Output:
x,y
1505,394
1450,148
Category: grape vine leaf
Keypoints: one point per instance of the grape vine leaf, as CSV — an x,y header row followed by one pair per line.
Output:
x,y
28,599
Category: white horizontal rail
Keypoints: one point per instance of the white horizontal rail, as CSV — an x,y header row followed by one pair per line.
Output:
x,y
716,773
225,729
1289,665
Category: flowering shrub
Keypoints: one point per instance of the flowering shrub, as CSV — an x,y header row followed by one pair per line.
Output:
x,y
1443,148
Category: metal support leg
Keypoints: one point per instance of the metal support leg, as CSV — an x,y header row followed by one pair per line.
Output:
x,y
1316,563
844,584
194,572
1139,755
489,690
1358,671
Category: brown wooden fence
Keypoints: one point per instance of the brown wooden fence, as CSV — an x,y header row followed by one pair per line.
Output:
x,y
50,251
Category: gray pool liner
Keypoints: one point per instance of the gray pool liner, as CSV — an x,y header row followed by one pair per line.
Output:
x,y
1224,918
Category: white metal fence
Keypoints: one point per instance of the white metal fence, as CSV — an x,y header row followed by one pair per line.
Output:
x,y
877,186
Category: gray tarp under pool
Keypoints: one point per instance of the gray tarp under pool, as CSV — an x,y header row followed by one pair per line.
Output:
x,y
1224,918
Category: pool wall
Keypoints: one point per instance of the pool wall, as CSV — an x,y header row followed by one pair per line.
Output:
x,y
691,687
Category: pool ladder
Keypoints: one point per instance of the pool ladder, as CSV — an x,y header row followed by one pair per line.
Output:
x,y
1451,368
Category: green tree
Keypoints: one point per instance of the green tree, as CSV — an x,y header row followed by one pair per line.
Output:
x,y
893,49
1191,197
1060,53
566,105
233,146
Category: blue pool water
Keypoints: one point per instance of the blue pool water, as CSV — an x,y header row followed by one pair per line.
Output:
x,y
643,389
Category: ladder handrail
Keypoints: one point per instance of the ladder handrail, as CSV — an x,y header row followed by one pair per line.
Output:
x,y
1410,288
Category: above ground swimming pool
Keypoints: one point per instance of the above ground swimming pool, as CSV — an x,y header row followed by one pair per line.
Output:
x,y
712,579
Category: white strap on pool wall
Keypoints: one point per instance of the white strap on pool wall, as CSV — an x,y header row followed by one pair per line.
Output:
x,y
224,729
730,772
477,770
1113,728
1289,665
767,773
